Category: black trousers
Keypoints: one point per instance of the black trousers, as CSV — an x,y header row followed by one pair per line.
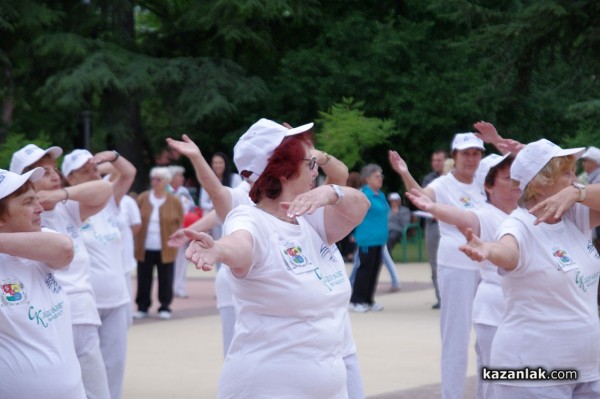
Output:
x,y
367,275
145,275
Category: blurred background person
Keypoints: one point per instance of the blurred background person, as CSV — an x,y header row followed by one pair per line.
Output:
x,y
162,215
371,236
398,218
187,202
432,229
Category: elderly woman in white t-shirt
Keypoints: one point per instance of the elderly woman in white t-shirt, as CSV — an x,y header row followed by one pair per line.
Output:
x,y
550,280
162,215
290,283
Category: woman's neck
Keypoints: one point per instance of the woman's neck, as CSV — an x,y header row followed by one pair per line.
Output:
x,y
462,177
274,208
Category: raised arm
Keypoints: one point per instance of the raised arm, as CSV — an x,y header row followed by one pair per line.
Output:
x,y
341,216
446,213
92,196
489,134
400,167
552,209
126,171
54,249
503,253
231,250
220,195
336,171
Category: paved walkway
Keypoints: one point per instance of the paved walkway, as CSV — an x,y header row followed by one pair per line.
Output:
x,y
398,348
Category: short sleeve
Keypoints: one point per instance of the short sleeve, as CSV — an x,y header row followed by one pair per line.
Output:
x,y
580,215
513,226
317,221
244,217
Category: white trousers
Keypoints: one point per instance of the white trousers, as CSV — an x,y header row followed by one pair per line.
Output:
x,y
483,347
113,344
180,272
93,371
457,291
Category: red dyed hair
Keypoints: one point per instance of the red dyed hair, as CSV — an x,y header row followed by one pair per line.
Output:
x,y
284,163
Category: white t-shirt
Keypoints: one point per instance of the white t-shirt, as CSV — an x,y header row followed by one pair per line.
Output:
x,y
551,317
185,198
75,280
129,216
37,355
468,197
224,278
488,304
102,239
292,309
206,203
153,242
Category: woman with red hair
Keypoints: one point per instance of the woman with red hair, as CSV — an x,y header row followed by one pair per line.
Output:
x,y
291,288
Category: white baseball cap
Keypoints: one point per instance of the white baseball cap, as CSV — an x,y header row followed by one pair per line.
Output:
x,y
29,155
255,147
593,154
75,160
462,141
394,197
531,159
485,165
10,181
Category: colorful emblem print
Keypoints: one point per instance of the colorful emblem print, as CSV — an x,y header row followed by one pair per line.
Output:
x,y
295,256
562,256
12,293
466,202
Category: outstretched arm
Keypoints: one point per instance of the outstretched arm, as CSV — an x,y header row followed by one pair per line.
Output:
x,y
54,249
205,223
400,166
231,250
503,253
221,197
446,213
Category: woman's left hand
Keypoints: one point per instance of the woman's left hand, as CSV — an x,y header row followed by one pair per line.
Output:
x,y
202,250
551,209
310,201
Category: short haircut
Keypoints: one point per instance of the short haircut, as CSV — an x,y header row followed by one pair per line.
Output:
x,y
547,176
368,170
161,172
4,201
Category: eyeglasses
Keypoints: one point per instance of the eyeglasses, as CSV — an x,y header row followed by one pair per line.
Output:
x,y
313,162
155,178
379,175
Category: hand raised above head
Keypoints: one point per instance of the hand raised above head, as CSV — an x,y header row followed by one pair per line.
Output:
x,y
397,163
185,146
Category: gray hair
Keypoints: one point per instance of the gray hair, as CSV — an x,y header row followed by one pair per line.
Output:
x,y
162,172
176,170
368,170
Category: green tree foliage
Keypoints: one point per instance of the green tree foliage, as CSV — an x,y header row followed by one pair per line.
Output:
x,y
348,133
418,70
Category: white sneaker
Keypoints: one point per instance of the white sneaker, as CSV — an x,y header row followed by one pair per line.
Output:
x,y
139,315
375,307
358,307
164,314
